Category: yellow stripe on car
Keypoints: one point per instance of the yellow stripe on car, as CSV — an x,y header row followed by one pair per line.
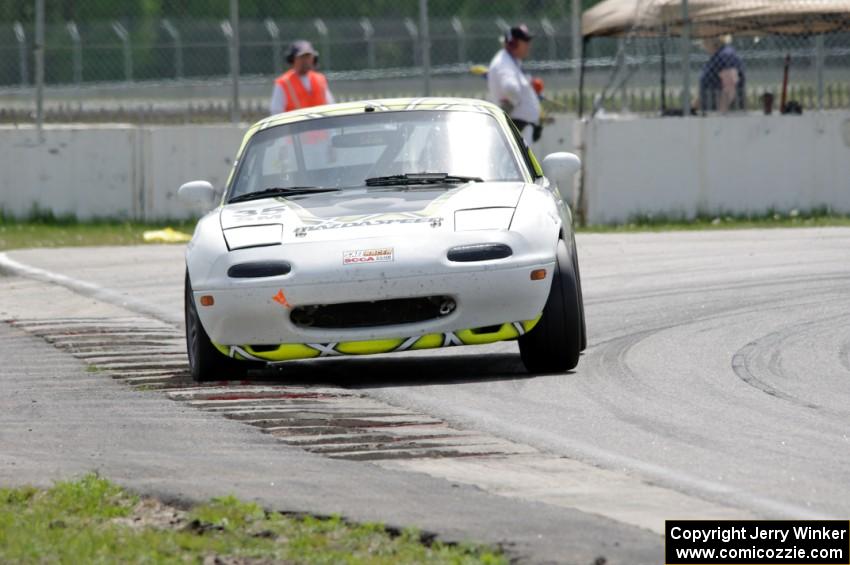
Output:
x,y
291,351
368,347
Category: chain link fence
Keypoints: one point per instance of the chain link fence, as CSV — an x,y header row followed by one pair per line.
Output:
x,y
169,60
174,65
787,56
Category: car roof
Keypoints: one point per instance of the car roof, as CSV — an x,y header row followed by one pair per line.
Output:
x,y
379,105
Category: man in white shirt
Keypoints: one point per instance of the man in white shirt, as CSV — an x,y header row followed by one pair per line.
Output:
x,y
511,88
301,86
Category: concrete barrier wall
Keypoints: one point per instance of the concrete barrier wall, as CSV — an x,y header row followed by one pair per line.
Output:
x,y
675,167
731,164
130,172
557,136
176,154
122,172
83,172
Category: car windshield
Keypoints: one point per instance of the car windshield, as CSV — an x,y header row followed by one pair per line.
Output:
x,y
344,151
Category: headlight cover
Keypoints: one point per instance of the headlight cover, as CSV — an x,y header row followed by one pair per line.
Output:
x,y
253,236
483,219
479,252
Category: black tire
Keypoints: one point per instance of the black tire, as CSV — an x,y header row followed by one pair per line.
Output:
x,y
554,344
580,299
206,363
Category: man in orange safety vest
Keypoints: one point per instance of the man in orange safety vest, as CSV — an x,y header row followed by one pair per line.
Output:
x,y
300,86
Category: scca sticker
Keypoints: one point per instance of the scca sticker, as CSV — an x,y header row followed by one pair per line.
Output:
x,y
358,256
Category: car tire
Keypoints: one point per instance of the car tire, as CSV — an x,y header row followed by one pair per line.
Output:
x,y
554,344
580,299
206,363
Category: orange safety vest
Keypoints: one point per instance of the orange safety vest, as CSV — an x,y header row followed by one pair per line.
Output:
x,y
297,96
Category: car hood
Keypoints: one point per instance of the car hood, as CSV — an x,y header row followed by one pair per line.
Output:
x,y
367,212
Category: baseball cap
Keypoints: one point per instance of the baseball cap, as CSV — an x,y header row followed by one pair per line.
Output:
x,y
519,32
302,47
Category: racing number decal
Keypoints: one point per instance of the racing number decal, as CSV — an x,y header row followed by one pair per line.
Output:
x,y
255,215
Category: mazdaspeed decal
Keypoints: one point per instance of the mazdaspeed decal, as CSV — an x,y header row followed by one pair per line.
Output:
x,y
360,256
290,351
427,215
377,220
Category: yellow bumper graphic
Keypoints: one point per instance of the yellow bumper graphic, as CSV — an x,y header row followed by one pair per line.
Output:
x,y
291,351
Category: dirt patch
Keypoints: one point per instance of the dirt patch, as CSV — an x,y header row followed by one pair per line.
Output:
x,y
151,513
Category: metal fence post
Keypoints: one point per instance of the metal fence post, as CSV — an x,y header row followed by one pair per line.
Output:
x,y
368,37
124,36
819,55
274,33
174,34
21,38
235,115
457,26
414,39
622,63
326,42
230,29
576,33
76,53
686,60
38,52
549,32
425,42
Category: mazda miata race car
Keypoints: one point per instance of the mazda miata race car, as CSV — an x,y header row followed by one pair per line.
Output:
x,y
383,226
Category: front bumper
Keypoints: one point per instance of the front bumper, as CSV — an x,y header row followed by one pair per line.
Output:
x,y
487,294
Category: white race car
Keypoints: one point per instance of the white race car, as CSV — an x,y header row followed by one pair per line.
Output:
x,y
383,226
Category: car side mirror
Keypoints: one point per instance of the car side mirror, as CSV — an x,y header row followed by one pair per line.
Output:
x,y
560,168
198,193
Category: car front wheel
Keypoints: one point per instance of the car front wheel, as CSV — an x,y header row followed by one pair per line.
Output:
x,y
206,363
580,298
554,344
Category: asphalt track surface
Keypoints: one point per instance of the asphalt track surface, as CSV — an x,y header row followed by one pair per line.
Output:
x,y
718,365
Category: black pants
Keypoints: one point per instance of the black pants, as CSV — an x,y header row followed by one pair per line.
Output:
x,y
522,124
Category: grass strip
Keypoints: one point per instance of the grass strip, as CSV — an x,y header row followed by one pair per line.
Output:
x,y
20,235
771,219
91,520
